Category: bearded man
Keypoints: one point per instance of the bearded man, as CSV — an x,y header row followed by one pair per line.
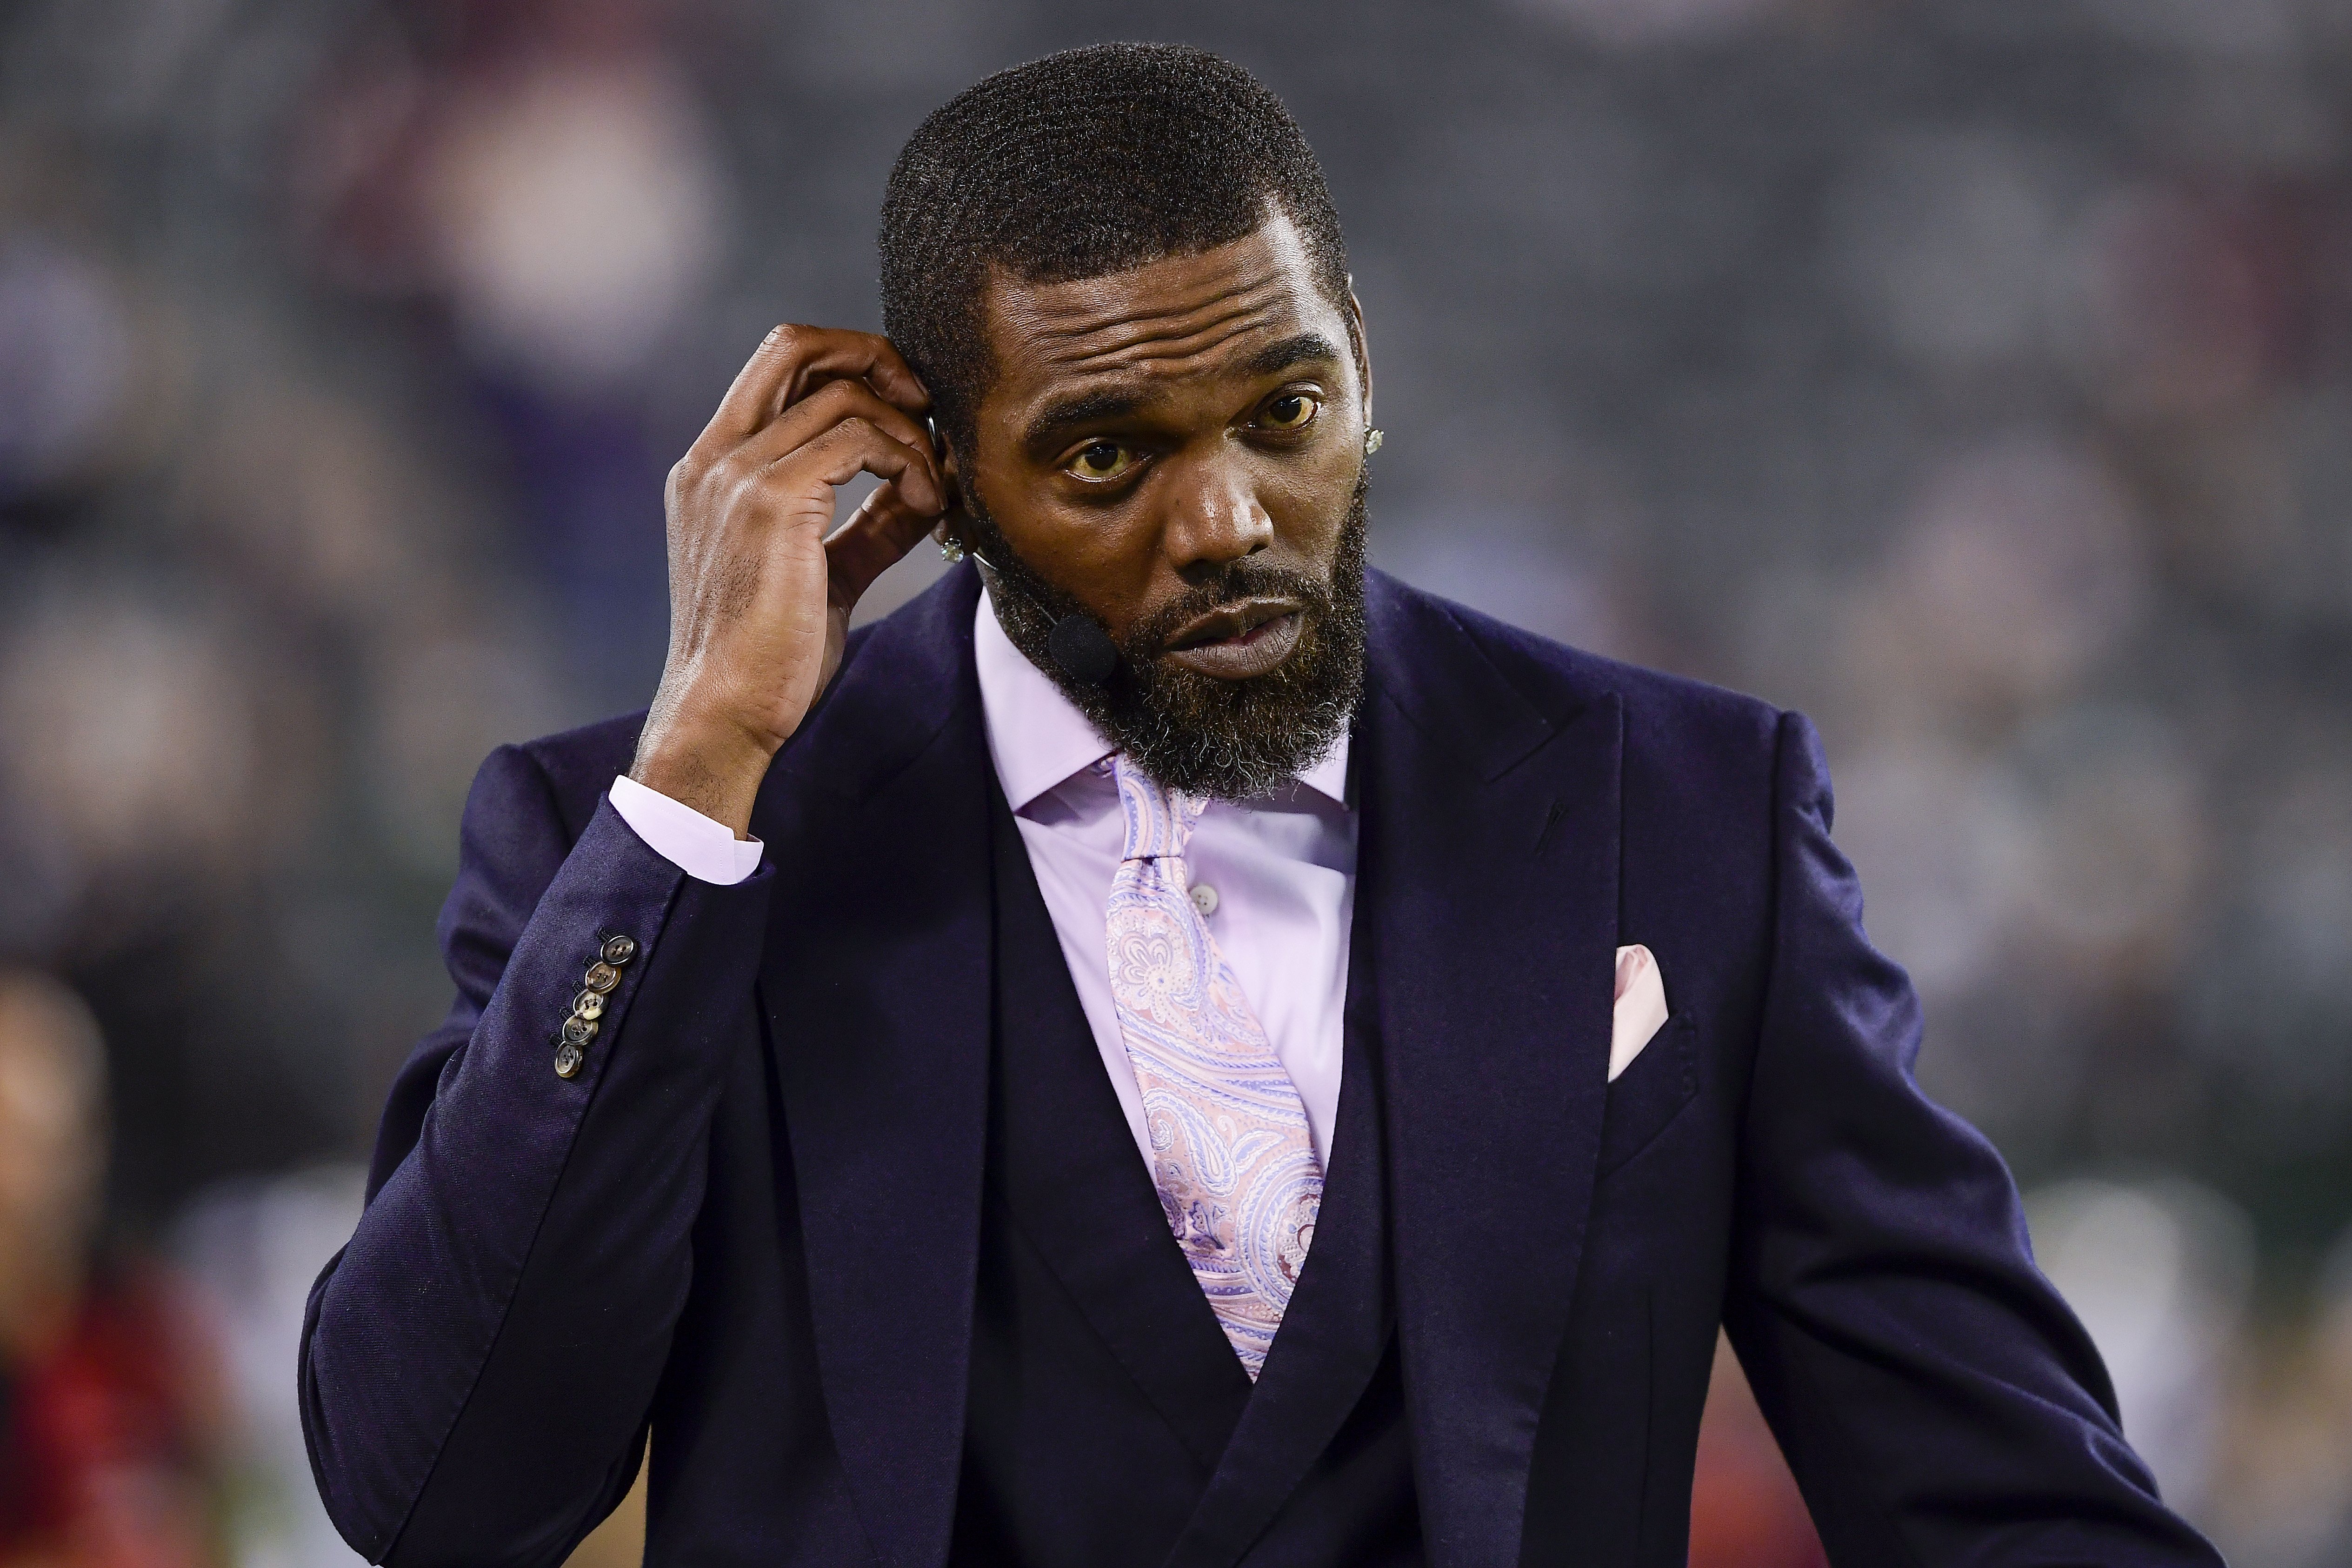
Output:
x,y
1172,1048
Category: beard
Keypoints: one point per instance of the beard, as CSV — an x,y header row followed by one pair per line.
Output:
x,y
1229,740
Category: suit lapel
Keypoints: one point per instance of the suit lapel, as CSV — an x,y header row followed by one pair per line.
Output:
x,y
1488,906
875,989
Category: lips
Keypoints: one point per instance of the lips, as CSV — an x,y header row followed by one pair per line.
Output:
x,y
1230,622
1237,641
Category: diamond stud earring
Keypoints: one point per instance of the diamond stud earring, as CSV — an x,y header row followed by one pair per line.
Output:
x,y
1373,439
951,550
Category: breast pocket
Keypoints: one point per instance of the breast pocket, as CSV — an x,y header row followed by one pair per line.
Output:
x,y
1649,1094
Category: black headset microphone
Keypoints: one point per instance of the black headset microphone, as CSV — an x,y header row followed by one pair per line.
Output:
x,y
1077,641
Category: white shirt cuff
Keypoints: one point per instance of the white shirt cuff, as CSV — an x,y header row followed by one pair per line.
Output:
x,y
703,849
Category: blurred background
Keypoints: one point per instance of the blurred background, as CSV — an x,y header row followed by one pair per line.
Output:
x,y
1976,377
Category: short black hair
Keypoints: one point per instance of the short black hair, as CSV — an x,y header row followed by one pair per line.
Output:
x,y
1091,161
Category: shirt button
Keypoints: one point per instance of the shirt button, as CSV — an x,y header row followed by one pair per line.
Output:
x,y
1205,897
620,950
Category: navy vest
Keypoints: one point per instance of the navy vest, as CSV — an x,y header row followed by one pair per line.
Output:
x,y
1110,1423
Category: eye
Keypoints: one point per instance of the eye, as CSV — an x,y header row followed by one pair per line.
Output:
x,y
1099,460
1291,411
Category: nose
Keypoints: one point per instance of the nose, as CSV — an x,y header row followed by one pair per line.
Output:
x,y
1215,522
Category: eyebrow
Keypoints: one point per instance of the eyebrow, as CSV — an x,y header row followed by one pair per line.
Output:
x,y
1047,429
1058,420
1304,349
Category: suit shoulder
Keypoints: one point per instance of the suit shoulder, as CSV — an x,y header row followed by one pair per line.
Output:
x,y
578,765
1558,680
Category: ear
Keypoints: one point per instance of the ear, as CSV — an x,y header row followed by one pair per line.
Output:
x,y
954,478
950,525
1363,347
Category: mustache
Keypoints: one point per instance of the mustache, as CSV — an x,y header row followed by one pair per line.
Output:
x,y
1246,578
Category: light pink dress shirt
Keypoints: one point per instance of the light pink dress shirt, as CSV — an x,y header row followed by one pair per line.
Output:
x,y
1278,874
1283,869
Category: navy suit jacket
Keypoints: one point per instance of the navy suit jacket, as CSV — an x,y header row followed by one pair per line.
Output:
x,y
752,1221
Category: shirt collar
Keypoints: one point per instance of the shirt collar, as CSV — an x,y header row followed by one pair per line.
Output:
x,y
1037,738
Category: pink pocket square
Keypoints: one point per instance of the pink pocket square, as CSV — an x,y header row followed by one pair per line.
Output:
x,y
1640,1009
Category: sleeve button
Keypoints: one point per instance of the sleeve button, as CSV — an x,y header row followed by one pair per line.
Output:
x,y
579,1031
589,1004
567,1061
601,976
620,948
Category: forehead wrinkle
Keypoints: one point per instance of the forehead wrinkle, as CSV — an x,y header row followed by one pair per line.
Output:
x,y
1141,335
1208,352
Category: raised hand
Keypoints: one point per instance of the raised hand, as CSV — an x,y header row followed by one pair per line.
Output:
x,y
759,595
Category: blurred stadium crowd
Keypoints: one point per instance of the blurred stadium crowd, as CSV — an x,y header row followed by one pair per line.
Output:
x,y
1976,375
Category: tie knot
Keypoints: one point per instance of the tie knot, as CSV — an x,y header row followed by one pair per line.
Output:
x,y
1159,820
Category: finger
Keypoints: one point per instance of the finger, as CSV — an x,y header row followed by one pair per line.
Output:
x,y
869,358
859,445
876,538
822,410
842,402
791,357
742,411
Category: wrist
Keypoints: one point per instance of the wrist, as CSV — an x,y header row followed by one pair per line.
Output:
x,y
711,766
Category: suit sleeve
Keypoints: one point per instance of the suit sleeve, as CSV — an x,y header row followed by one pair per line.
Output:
x,y
478,1362
1936,1399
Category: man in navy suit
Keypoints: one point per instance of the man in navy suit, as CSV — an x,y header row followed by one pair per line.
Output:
x,y
1172,1049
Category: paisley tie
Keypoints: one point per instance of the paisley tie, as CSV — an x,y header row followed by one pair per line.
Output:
x,y
1229,1151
